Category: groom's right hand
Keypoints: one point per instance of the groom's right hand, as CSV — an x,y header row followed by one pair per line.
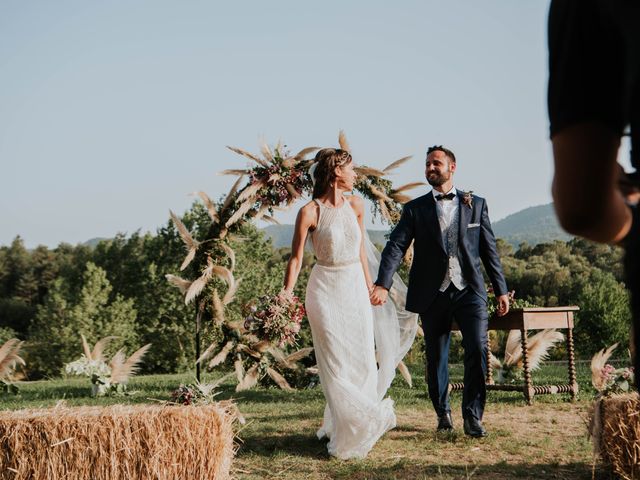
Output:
x,y
379,295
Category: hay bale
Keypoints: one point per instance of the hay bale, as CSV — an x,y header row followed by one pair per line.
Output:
x,y
117,442
615,428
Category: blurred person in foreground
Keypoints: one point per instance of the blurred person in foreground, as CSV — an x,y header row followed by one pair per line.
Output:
x,y
593,96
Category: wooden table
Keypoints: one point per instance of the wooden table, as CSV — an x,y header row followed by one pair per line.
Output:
x,y
525,319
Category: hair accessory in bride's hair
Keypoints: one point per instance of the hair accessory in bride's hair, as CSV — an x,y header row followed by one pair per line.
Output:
x,y
312,172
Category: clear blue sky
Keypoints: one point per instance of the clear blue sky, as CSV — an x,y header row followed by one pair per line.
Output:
x,y
112,112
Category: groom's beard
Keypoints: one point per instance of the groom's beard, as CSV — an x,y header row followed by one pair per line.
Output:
x,y
437,179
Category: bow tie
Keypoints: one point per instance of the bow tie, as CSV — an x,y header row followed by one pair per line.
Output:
x,y
448,196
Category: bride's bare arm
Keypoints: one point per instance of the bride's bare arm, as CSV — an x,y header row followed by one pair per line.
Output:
x,y
358,207
305,220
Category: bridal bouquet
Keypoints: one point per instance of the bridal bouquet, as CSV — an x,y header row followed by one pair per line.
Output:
x,y
276,318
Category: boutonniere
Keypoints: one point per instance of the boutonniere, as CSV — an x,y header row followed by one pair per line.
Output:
x,y
467,199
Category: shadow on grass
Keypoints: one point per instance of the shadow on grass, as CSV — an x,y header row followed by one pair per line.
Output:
x,y
299,444
500,471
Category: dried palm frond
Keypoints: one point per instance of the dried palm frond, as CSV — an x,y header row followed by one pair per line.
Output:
x,y
303,153
248,155
539,345
598,362
9,357
242,210
99,347
233,172
86,349
404,371
250,191
211,208
400,198
218,308
279,357
187,260
231,254
261,213
408,186
191,244
395,164
222,355
122,369
513,348
176,281
207,353
241,347
261,346
250,379
231,292
223,274
198,284
311,370
292,191
342,140
279,379
239,368
495,362
229,198
266,152
380,194
299,355
384,210
369,172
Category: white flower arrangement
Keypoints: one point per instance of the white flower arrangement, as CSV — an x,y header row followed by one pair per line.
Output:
x,y
106,378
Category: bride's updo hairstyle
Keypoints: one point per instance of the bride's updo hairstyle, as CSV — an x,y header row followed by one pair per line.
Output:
x,y
324,174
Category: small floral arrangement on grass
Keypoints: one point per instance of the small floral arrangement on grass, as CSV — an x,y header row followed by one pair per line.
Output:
x,y
197,393
276,318
106,378
9,360
607,379
97,370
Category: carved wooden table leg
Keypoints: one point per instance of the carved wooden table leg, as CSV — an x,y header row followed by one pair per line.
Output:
x,y
489,378
572,366
528,383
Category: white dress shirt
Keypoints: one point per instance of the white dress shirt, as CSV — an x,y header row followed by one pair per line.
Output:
x,y
447,211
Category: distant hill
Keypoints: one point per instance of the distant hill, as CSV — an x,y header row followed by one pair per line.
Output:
x,y
94,242
281,235
532,225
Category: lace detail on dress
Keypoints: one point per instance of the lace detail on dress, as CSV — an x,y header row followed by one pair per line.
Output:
x,y
336,239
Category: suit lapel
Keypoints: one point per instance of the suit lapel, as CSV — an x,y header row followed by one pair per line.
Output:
x,y
465,217
432,220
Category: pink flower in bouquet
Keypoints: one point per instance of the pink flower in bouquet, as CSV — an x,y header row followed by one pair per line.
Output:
x,y
276,318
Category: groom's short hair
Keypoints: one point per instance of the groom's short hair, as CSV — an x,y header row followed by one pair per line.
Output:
x,y
442,149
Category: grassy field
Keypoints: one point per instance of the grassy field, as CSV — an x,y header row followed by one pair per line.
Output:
x,y
544,441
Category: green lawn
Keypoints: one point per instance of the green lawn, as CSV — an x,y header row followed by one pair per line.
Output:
x,y
546,440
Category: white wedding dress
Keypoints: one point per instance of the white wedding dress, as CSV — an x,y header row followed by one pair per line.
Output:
x,y
344,325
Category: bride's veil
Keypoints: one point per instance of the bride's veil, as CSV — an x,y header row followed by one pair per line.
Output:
x,y
394,327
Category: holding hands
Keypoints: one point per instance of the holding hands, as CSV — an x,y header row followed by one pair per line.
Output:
x,y
378,295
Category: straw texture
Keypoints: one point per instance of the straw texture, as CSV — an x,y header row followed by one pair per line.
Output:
x,y
117,442
615,428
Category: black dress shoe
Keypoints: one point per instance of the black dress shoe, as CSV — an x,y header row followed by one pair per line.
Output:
x,y
445,423
474,428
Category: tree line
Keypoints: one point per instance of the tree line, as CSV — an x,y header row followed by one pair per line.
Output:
x,y
48,297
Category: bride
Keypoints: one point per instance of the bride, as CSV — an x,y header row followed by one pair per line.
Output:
x,y
357,346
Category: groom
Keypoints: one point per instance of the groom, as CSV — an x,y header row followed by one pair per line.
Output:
x,y
452,234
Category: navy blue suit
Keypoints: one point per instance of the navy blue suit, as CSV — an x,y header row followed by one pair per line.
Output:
x,y
476,245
